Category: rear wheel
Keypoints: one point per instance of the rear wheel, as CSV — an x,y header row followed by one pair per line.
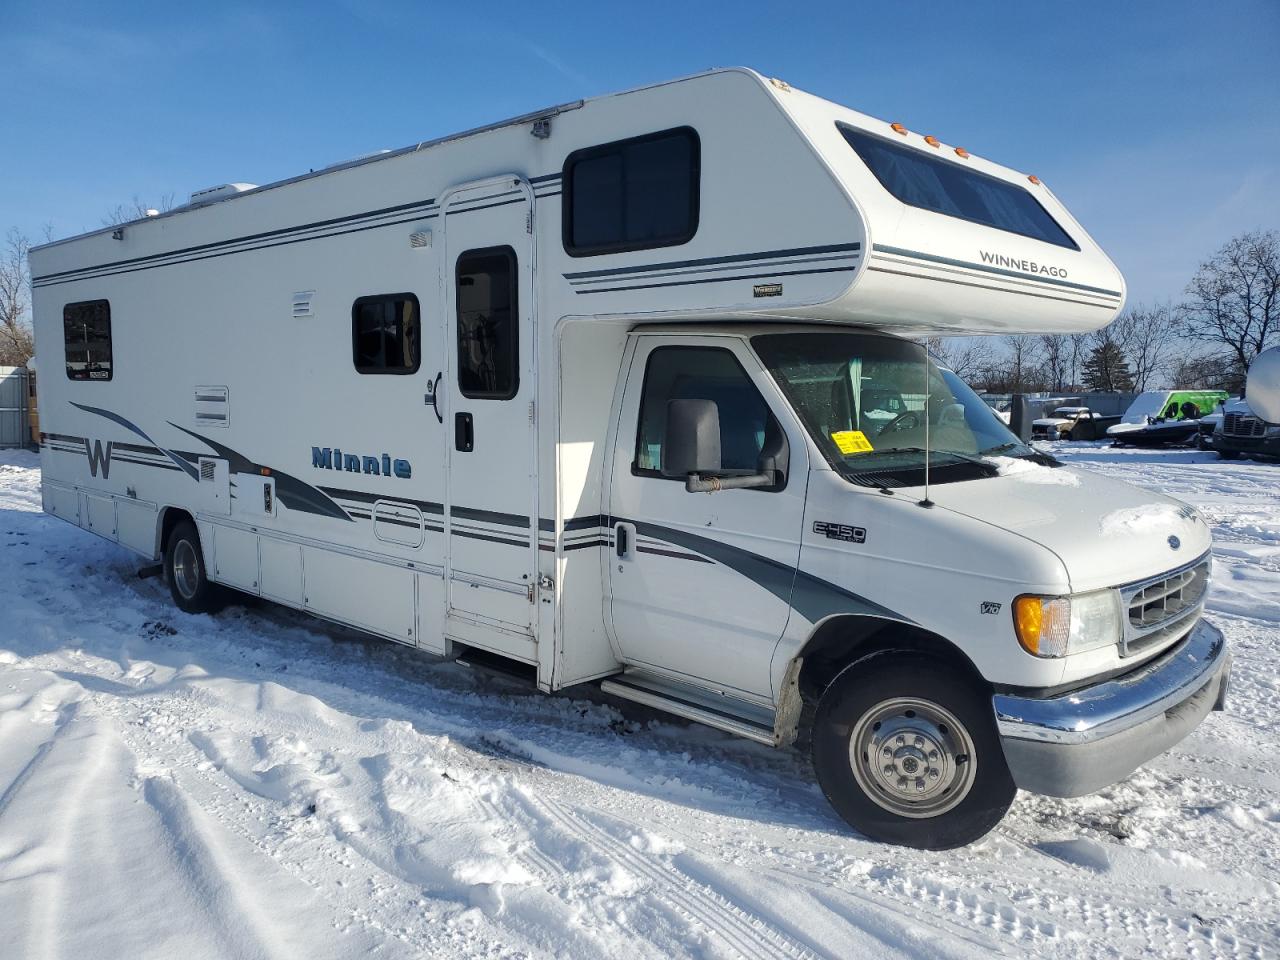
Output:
x,y
184,571
906,751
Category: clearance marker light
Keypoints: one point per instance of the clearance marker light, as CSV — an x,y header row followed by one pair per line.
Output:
x,y
931,141
962,153
1034,179
898,128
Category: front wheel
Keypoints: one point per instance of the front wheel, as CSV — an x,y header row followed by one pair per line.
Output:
x,y
907,752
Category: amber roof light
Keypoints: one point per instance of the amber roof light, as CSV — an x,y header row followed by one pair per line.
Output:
x,y
931,141
962,153
898,128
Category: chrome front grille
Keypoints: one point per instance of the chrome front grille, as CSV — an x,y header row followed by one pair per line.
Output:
x,y
1243,425
1163,608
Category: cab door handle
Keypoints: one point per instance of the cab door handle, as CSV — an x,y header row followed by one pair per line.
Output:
x,y
623,539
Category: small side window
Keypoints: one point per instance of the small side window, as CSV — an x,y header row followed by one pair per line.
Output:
x,y
386,334
747,426
488,324
632,194
86,333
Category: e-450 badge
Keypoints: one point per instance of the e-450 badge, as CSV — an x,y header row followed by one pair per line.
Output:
x,y
840,531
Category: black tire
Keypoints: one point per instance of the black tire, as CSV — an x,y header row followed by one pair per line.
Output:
x,y
1228,454
184,571
903,689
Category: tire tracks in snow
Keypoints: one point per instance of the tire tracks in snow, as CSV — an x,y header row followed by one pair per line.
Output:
x,y
749,936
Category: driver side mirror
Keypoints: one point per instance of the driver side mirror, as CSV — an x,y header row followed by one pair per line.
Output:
x,y
692,450
693,438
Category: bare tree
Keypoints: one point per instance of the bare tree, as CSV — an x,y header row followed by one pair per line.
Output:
x,y
1146,336
1234,298
16,341
967,357
1055,351
135,209
1023,360
1078,352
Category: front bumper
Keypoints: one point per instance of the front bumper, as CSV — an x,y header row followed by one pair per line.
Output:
x,y
1262,446
1079,742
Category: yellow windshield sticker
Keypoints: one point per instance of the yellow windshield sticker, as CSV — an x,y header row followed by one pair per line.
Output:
x,y
852,441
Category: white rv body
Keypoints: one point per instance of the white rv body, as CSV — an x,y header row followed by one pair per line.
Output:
x,y
521,526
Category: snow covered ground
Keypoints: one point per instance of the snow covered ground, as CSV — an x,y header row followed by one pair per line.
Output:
x,y
259,784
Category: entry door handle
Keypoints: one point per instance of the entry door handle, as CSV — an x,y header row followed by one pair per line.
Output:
x,y
434,397
464,432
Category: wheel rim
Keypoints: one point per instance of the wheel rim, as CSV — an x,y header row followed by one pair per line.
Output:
x,y
912,757
186,569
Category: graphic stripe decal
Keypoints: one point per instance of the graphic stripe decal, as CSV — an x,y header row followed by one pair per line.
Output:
x,y
426,506
116,418
155,259
711,261
290,491
986,286
933,258
812,597
752,276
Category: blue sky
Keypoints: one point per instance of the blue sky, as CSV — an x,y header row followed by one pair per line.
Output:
x,y
1157,123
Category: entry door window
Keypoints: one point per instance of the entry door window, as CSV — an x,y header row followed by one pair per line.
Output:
x,y
488,324
703,373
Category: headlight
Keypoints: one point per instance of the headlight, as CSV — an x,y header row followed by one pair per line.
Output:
x,y
1060,626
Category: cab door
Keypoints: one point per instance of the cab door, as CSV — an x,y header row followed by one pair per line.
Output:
x,y
700,584
491,491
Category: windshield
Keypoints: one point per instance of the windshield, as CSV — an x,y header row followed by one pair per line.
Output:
x,y
863,398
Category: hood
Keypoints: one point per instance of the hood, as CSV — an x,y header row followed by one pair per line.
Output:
x,y
1049,421
1107,533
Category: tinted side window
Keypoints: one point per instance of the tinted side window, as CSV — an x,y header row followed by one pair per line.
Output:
x,y
488,324
703,373
946,187
386,334
633,194
86,333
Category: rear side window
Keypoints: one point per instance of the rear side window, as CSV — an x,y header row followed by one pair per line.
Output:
x,y
632,194
86,333
946,187
386,334
488,324
703,373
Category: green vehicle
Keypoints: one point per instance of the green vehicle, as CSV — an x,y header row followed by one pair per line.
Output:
x,y
1160,417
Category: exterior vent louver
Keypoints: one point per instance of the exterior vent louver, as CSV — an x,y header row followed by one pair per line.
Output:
x,y
212,406
302,304
208,469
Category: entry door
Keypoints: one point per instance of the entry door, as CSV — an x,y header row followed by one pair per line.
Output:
x,y
701,583
491,500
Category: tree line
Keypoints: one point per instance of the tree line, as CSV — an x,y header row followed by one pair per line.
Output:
x,y
1230,312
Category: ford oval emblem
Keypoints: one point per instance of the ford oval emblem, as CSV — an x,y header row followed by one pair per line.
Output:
x,y
1174,542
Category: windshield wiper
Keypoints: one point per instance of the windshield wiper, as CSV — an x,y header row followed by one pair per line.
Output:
x,y
964,457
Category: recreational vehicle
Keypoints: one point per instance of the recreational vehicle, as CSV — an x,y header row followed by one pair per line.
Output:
x,y
624,391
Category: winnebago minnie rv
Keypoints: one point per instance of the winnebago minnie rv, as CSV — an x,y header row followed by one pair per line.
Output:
x,y
619,391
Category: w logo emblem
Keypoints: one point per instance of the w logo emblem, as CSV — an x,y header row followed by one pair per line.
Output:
x,y
98,458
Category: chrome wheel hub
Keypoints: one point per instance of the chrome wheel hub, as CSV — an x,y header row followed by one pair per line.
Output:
x,y
912,757
186,569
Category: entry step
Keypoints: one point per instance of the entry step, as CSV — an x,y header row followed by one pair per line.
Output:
x,y
694,703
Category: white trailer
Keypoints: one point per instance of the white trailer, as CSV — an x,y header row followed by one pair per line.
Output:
x,y
620,391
